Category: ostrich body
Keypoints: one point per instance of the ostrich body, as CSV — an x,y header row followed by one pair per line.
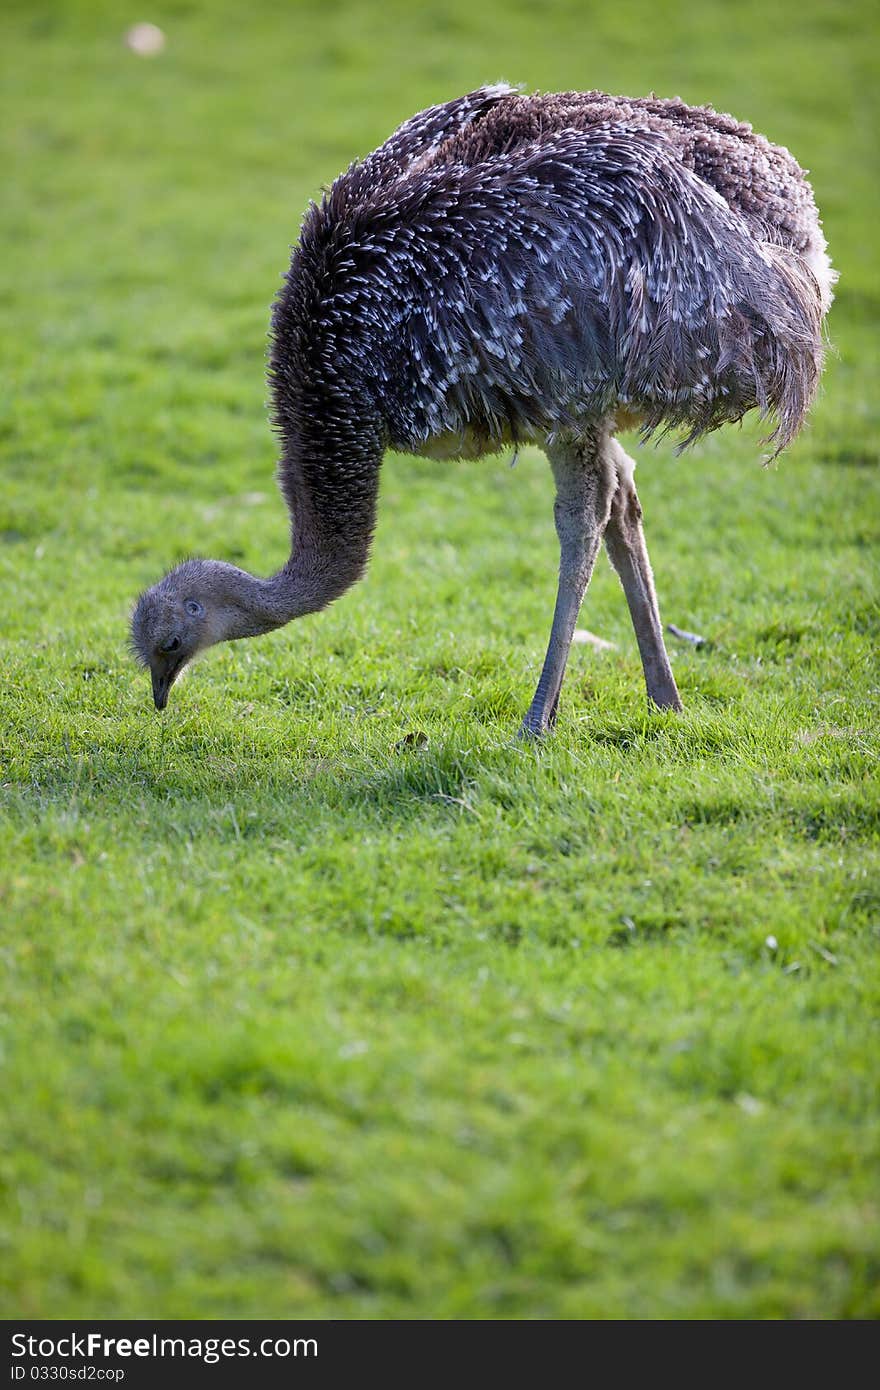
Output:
x,y
508,269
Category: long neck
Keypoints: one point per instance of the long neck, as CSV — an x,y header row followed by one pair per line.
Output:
x,y
244,605
333,513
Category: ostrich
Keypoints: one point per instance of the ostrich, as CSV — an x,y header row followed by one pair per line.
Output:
x,y
511,269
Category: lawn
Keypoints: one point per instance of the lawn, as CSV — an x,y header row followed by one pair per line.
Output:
x,y
322,994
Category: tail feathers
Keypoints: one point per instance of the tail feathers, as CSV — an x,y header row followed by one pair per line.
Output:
x,y
788,377
767,353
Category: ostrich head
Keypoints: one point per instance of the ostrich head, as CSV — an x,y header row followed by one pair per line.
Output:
x,y
173,621
206,601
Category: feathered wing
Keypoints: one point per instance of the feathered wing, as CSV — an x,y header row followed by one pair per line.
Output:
x,y
592,269
420,136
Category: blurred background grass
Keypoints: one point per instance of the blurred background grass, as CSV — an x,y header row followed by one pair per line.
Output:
x,y
162,192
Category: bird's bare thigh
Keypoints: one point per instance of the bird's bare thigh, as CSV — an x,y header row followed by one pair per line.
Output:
x,y
585,484
625,543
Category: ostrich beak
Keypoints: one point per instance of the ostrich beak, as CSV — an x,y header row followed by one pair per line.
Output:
x,y
161,686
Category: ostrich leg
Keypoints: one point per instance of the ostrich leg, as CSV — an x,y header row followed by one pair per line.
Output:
x,y
585,482
625,543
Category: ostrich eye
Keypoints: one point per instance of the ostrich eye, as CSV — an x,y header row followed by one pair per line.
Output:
x,y
194,608
171,645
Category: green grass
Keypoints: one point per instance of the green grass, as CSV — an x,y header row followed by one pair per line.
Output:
x,y
322,995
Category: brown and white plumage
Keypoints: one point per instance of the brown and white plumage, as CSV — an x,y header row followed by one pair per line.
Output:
x,y
511,268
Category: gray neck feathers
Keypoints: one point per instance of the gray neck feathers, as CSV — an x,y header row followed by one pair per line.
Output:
x,y
242,605
330,549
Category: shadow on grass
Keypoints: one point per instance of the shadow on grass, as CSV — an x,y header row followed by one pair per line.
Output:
x,y
260,790
300,790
